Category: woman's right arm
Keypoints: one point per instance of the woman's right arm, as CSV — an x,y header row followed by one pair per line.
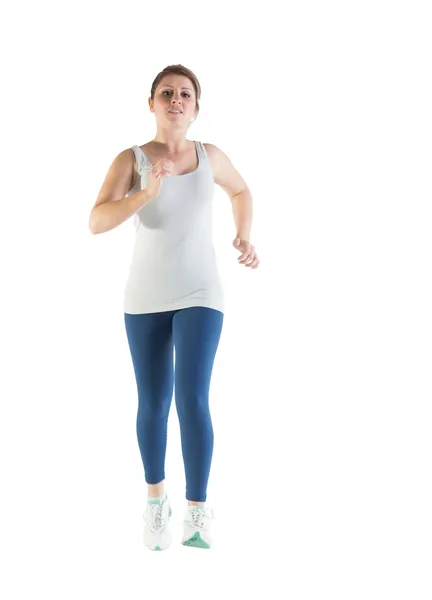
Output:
x,y
112,207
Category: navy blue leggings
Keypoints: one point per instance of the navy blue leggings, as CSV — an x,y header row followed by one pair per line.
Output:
x,y
194,334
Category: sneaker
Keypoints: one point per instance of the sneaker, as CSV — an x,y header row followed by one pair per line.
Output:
x,y
196,527
157,533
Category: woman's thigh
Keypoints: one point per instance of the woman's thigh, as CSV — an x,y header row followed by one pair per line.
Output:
x,y
150,339
196,335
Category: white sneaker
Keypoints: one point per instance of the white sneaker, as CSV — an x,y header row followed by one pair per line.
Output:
x,y
196,527
157,533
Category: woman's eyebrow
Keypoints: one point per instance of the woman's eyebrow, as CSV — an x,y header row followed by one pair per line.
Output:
x,y
183,88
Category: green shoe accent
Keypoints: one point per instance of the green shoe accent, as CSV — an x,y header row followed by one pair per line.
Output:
x,y
196,542
157,548
154,501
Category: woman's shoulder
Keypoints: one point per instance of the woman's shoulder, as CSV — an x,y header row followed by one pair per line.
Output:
x,y
210,148
224,172
213,153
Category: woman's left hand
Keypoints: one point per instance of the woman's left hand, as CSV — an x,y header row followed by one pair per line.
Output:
x,y
249,257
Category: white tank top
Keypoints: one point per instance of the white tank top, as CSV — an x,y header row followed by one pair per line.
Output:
x,y
174,262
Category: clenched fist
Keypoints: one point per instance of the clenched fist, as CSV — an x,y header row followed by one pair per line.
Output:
x,y
163,168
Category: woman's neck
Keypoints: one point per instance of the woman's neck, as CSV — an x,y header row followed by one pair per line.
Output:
x,y
174,142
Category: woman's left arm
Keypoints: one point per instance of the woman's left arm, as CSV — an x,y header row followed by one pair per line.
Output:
x,y
230,180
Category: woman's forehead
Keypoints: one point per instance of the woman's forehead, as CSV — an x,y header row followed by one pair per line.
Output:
x,y
177,81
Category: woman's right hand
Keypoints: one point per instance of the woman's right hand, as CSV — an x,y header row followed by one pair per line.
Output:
x,y
163,168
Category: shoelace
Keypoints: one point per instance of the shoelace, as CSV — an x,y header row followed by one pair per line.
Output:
x,y
156,523
198,516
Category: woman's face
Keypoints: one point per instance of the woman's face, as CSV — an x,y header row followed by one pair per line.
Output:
x,y
174,100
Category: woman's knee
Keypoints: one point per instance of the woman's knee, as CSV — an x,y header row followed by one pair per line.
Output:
x,y
193,407
154,410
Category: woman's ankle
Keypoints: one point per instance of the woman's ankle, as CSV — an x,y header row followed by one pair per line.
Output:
x,y
156,490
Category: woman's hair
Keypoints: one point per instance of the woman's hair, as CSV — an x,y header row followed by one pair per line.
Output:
x,y
178,70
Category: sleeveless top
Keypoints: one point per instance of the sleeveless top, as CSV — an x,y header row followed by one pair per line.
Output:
x,y
174,263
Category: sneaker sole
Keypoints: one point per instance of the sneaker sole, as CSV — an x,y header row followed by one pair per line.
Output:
x,y
196,542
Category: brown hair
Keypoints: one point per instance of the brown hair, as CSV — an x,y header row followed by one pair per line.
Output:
x,y
178,70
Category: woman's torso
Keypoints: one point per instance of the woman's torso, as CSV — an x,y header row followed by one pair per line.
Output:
x,y
174,264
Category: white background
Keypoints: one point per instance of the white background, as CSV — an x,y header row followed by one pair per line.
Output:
x,y
321,387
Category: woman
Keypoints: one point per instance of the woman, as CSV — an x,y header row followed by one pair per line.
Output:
x,y
173,298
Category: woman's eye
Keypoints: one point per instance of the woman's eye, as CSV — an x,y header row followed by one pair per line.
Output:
x,y
169,92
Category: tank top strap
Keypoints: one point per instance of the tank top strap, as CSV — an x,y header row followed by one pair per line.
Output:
x,y
142,163
202,152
